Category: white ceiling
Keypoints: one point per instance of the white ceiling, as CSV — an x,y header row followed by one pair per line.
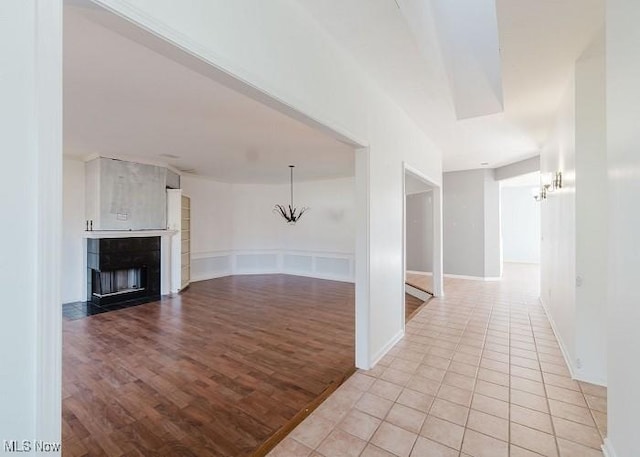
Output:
x,y
403,43
468,28
128,101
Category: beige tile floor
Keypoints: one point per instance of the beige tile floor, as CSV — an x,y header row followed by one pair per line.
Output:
x,y
479,373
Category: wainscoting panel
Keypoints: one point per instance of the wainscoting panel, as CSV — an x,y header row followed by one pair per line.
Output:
x,y
334,266
295,262
210,265
322,265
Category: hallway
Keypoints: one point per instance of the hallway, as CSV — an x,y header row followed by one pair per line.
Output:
x,y
479,373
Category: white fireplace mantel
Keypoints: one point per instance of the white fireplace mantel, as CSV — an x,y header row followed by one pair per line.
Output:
x,y
126,233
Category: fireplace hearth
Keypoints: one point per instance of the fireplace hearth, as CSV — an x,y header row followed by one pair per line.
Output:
x,y
120,270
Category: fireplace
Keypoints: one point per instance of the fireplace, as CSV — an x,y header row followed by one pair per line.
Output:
x,y
123,269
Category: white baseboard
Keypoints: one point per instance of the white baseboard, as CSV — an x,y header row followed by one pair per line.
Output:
x,y
563,348
386,348
573,371
473,278
207,276
596,381
607,449
423,273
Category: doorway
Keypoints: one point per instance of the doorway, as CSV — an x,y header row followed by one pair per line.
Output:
x,y
422,241
520,219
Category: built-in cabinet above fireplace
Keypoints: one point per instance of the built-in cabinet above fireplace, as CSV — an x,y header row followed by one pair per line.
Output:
x,y
123,195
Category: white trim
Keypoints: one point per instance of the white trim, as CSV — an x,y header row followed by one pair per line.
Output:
x,y
473,278
98,234
48,134
438,278
596,381
403,316
362,264
607,449
573,371
209,254
386,348
417,293
279,267
423,273
563,348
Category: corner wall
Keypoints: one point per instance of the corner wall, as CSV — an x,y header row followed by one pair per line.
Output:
x,y
471,224
73,224
623,166
278,53
574,225
591,204
557,212
31,203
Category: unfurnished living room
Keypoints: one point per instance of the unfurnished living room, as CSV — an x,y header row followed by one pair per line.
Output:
x,y
375,228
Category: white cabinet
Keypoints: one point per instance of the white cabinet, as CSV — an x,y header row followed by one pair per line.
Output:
x,y
179,219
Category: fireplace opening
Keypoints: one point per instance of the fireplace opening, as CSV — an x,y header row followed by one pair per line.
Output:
x,y
122,270
118,282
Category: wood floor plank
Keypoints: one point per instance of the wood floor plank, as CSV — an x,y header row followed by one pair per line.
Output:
x,y
215,371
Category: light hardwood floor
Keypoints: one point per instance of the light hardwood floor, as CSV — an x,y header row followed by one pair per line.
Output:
x,y
216,371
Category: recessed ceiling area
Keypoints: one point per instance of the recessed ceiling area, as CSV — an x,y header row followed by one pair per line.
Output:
x,y
419,60
121,99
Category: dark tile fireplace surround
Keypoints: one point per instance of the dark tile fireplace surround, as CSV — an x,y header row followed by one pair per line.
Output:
x,y
121,272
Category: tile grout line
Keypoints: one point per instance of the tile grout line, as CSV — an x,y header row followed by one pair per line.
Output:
x,y
593,417
544,384
475,382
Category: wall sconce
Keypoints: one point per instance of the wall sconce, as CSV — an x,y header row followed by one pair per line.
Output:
x,y
557,180
549,183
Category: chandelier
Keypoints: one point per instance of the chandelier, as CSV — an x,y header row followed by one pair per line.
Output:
x,y
290,213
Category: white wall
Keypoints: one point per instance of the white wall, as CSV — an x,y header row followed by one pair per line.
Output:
x,y
557,251
520,215
574,223
212,214
471,219
31,205
73,224
235,230
279,50
623,140
492,235
520,168
591,205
